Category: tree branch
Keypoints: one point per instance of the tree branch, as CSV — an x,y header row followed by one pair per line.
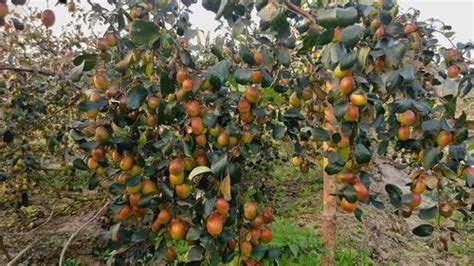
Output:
x,y
41,72
63,252
296,9
21,253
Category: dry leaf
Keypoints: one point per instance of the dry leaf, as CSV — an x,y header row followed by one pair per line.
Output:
x,y
225,188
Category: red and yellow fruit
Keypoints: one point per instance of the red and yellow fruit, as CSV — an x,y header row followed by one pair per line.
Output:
x,y
177,230
347,206
453,72
3,10
407,118
403,133
176,166
48,18
101,82
193,108
245,248
346,85
361,190
444,138
187,85
197,125
250,210
164,216
183,191
252,94
176,179
214,225
352,113
222,206
127,163
266,235
358,98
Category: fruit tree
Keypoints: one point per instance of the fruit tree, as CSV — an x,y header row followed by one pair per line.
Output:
x,y
171,126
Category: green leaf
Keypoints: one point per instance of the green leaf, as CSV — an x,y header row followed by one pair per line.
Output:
x,y
89,105
79,164
211,5
283,56
195,253
394,54
430,126
335,164
327,18
93,182
89,145
89,61
309,41
139,235
362,154
349,193
242,76
269,12
395,194
167,85
320,134
136,97
280,24
76,72
358,214
423,230
116,189
259,252
325,37
348,61
351,35
346,16
209,206
393,81
134,180
431,156
143,32
199,171
220,70
193,234
219,165
166,189
377,203
428,213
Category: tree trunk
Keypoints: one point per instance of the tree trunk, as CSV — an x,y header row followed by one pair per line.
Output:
x,y
328,218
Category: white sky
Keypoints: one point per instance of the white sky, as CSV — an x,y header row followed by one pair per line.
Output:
x,y
457,13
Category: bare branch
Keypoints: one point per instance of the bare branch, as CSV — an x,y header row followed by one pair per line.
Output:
x,y
19,255
296,9
63,252
41,72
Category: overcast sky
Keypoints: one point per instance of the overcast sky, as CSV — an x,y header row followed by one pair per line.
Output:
x,y
457,13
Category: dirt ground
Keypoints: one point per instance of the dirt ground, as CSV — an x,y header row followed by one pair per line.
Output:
x,y
386,236
43,230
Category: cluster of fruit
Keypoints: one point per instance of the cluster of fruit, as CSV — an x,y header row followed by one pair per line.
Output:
x,y
47,16
194,126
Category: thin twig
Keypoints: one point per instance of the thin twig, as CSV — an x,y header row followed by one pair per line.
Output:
x,y
19,255
15,259
63,252
4,249
41,72
296,9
